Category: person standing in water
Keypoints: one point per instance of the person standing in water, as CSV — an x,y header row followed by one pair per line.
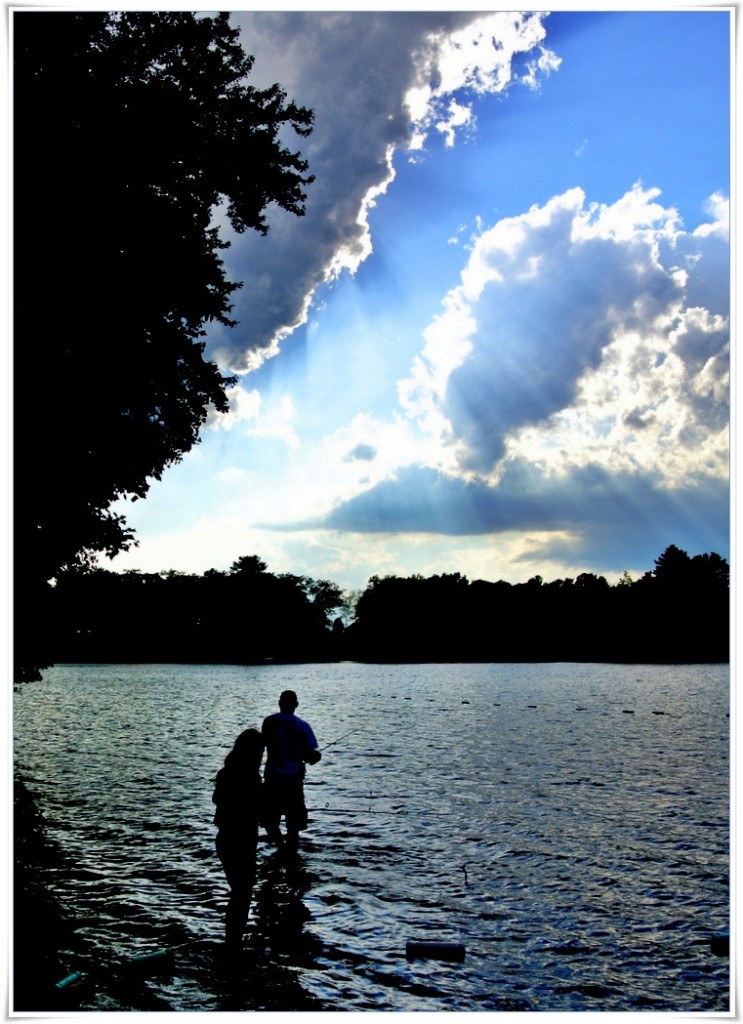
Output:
x,y
290,744
238,798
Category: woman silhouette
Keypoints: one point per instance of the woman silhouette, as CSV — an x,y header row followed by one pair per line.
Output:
x,y
237,795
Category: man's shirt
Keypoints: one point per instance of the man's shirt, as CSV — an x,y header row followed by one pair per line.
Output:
x,y
289,741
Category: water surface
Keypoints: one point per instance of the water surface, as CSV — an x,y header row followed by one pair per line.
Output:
x,y
567,823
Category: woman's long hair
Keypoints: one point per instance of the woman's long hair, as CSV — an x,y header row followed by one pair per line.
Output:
x,y
247,753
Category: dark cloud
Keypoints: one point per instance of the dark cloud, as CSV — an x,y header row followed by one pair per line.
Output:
x,y
608,516
353,70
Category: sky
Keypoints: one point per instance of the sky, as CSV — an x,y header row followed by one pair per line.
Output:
x,y
498,342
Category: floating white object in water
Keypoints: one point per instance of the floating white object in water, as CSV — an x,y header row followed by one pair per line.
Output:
x,y
418,949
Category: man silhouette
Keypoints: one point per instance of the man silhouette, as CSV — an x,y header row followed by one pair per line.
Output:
x,y
290,744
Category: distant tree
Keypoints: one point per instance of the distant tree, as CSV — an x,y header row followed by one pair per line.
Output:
x,y
710,571
326,597
672,567
247,565
131,129
564,584
588,581
248,614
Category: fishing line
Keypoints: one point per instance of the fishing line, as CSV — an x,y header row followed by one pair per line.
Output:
x,y
373,810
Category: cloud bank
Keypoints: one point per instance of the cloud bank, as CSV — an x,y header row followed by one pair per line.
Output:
x,y
578,378
594,516
378,83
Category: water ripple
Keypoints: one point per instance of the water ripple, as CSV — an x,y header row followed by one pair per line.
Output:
x,y
568,824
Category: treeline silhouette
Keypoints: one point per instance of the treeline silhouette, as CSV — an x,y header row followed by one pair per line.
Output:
x,y
244,615
678,612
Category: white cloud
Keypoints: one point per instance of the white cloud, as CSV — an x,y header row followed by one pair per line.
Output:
x,y
458,116
634,216
718,206
570,339
278,423
545,63
477,58
248,407
244,405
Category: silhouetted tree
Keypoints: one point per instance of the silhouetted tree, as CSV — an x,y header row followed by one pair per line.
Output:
x,y
325,596
248,615
247,565
678,613
130,130
238,617
710,571
672,567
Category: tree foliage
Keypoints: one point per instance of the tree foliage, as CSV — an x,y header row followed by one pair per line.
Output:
x,y
248,614
245,615
131,130
677,613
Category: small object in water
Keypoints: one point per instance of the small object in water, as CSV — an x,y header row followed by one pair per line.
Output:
x,y
418,949
720,944
627,711
69,980
161,960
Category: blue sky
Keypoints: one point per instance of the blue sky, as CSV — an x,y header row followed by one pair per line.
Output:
x,y
498,342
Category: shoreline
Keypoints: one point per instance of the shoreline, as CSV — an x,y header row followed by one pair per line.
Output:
x,y
41,930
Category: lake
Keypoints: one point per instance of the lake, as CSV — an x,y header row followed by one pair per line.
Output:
x,y
567,823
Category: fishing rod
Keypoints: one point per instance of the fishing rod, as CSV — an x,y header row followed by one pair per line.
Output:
x,y
345,734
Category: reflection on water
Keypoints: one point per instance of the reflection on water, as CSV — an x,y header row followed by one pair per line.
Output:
x,y
567,823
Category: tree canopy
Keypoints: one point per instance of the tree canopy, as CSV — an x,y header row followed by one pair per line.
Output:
x,y
248,614
244,615
679,612
131,130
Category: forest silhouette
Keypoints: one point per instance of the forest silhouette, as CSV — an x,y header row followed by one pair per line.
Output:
x,y
678,612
